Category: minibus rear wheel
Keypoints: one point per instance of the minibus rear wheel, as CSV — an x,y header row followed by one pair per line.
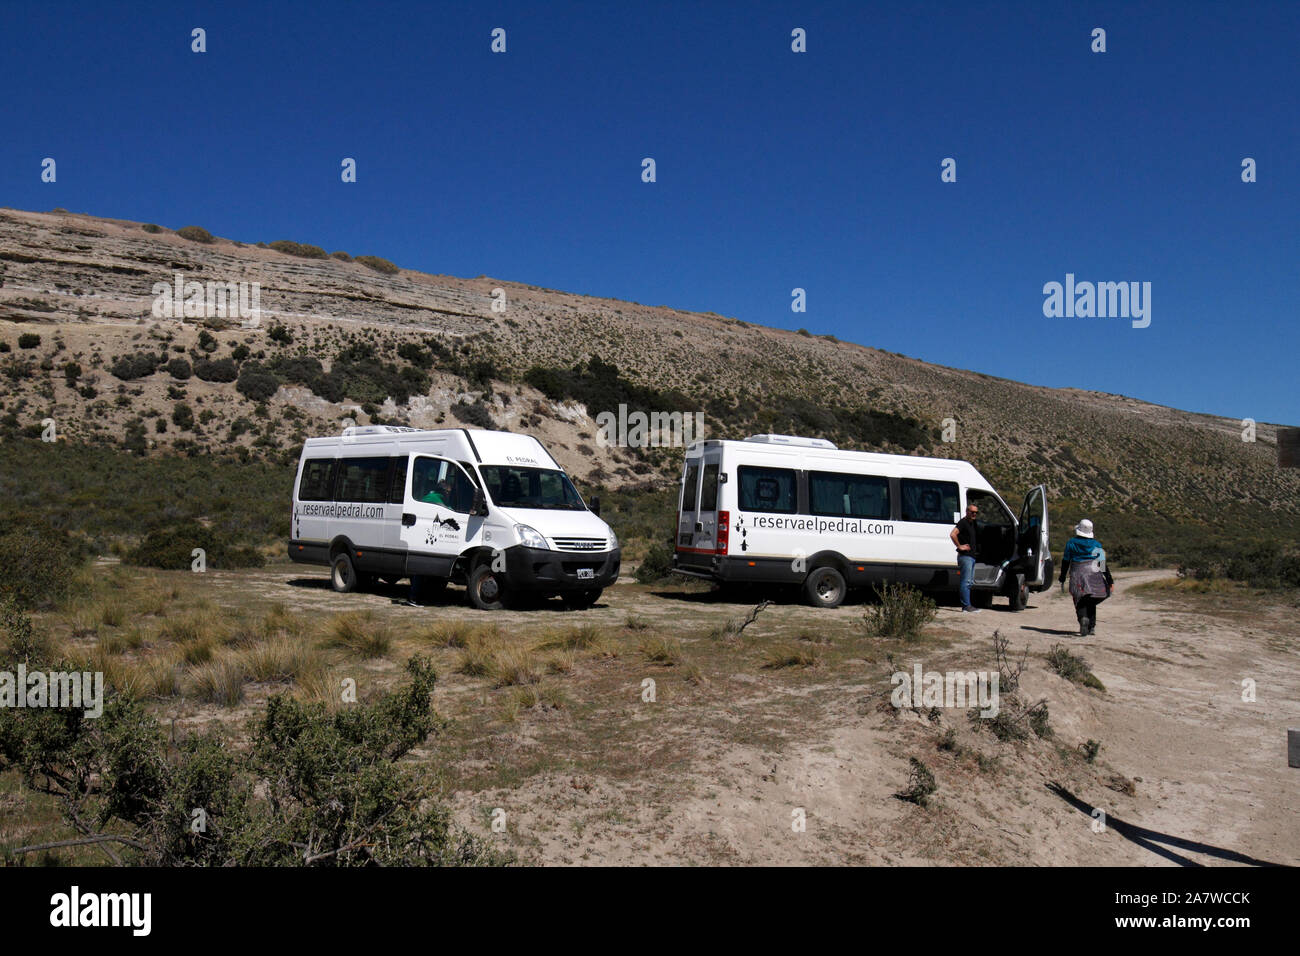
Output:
x,y
487,590
343,576
1019,595
825,587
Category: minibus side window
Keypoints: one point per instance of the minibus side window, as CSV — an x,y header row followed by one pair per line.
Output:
x,y
768,489
848,496
397,483
438,481
362,479
689,486
931,502
317,480
709,488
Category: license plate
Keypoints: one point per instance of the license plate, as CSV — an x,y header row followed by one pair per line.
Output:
x,y
586,574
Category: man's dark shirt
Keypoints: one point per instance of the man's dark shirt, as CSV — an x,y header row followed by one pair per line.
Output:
x,y
968,533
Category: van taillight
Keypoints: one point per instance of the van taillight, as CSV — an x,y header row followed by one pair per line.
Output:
x,y
724,525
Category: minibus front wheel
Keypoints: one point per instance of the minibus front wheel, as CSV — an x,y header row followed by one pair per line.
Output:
x,y
825,587
487,590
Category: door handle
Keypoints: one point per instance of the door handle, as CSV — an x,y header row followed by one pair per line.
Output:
x,y
408,519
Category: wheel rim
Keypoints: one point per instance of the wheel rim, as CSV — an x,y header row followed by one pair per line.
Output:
x,y
488,589
827,588
341,573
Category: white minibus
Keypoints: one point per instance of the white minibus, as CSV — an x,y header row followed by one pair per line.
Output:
x,y
781,509
489,509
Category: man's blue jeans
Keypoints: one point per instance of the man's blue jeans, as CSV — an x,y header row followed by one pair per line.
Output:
x,y
967,565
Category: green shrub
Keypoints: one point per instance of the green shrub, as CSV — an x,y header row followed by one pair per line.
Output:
x,y
341,255
920,784
656,565
195,234
152,227
171,548
477,414
901,612
183,416
218,370
379,265
128,368
36,567
179,369
1073,667
256,383
280,334
29,340
301,250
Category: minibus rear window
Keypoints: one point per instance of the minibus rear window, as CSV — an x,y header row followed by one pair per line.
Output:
x,y
848,496
767,489
931,502
709,488
317,480
690,484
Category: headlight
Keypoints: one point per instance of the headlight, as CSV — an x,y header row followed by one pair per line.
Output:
x,y
531,537
613,540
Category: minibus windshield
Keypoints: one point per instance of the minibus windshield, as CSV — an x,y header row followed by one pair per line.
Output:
x,y
513,486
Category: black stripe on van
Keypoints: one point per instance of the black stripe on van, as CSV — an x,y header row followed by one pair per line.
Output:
x,y
472,447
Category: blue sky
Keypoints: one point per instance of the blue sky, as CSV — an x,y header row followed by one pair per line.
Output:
x,y
775,170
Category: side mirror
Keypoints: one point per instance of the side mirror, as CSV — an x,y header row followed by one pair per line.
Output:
x,y
595,506
479,508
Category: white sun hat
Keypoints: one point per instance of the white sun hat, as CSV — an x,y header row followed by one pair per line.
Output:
x,y
1084,529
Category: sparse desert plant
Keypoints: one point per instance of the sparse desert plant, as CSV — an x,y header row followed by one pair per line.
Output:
x,y
1073,667
901,612
921,784
361,633
152,227
515,666
477,659
379,265
792,655
219,681
634,623
950,743
662,650
281,658
195,234
1090,748
586,637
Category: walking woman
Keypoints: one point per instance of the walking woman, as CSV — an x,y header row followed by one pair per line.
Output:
x,y
1090,583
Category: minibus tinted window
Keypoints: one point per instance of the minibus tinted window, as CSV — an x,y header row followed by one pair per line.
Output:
x,y
767,489
317,480
709,489
513,486
690,485
439,482
397,483
362,479
933,502
848,496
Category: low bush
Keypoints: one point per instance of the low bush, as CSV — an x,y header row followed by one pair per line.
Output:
x,y
379,265
195,234
901,612
171,548
301,250
36,566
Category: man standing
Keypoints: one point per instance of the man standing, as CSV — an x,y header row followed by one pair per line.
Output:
x,y
966,537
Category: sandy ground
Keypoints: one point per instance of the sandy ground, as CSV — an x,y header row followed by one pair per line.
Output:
x,y
720,771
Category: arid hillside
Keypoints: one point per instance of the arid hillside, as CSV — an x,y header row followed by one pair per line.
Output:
x,y
340,339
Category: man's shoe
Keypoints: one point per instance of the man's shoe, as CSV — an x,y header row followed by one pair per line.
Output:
x,y
970,609
409,603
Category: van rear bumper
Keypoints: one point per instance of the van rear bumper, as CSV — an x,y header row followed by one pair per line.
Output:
x,y
309,552
537,569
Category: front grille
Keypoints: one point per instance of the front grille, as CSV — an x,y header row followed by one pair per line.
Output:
x,y
579,544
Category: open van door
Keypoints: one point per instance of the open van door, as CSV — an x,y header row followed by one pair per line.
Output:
x,y
1035,553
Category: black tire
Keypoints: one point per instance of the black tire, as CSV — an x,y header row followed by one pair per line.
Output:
x,y
825,587
343,576
487,589
580,600
1019,595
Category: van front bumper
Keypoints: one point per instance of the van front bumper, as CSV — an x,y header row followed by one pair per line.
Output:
x,y
539,569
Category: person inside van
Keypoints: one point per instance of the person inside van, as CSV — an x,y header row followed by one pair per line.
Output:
x,y
965,535
1090,582
440,494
